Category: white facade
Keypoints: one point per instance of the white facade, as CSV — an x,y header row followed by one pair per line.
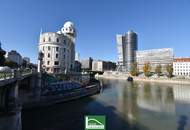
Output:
x,y
15,57
97,65
181,66
58,49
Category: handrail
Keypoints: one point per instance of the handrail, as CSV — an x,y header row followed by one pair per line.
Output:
x,y
10,75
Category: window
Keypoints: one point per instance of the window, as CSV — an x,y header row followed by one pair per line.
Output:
x,y
57,48
49,39
48,55
63,56
57,39
64,42
56,63
64,49
56,55
48,62
49,48
44,39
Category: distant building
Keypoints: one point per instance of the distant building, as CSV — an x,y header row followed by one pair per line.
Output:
x,y
154,57
58,49
77,67
98,65
181,66
87,64
14,56
77,56
27,59
127,47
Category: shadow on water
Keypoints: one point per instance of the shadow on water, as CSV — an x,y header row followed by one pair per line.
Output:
x,y
182,122
70,116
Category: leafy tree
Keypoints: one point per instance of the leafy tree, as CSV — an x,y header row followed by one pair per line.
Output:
x,y
158,70
169,69
11,64
134,69
2,56
146,69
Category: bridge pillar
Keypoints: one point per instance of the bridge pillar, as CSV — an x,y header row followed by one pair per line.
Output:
x,y
11,119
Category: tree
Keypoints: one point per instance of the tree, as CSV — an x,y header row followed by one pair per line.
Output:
x,y
146,69
2,56
158,70
169,69
134,69
10,64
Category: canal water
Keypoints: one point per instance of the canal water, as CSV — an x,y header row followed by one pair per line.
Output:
x,y
126,105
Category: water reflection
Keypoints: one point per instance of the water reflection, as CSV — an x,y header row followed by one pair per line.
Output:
x,y
127,106
155,106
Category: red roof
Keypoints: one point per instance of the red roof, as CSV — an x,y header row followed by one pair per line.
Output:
x,y
182,60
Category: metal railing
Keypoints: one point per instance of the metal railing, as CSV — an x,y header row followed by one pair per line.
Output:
x,y
9,75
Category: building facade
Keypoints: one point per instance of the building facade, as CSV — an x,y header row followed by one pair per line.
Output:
x,y
58,49
14,56
99,65
127,47
87,63
181,66
154,57
27,59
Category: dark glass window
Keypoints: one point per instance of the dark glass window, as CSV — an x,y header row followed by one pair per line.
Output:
x,y
56,63
57,48
57,39
56,55
48,55
48,62
49,48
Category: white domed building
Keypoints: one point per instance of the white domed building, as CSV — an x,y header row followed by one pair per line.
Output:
x,y
58,49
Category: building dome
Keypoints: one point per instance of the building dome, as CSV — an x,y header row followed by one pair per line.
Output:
x,y
68,28
68,24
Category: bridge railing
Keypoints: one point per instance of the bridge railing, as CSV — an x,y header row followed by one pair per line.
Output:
x,y
11,74
6,75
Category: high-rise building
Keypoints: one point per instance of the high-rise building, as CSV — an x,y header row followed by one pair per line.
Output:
x,y
58,49
127,47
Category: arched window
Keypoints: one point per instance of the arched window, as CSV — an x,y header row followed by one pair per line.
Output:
x,y
49,39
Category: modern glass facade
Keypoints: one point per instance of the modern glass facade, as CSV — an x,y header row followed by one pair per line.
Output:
x,y
126,46
155,57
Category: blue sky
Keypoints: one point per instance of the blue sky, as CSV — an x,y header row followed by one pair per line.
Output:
x,y
159,24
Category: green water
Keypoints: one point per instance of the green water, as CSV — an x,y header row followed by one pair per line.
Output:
x,y
135,106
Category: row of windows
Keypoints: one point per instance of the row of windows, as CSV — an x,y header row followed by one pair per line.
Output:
x,y
56,56
181,66
55,63
181,70
180,73
57,49
50,40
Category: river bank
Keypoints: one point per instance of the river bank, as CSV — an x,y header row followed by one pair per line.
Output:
x,y
145,79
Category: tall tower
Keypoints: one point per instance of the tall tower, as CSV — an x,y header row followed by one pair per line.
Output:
x,y
131,39
127,47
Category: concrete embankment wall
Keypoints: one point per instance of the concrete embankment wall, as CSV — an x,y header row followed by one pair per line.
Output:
x,y
138,79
